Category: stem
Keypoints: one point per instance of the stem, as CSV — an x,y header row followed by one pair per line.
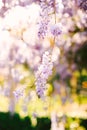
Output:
x,y
76,6
55,10
54,17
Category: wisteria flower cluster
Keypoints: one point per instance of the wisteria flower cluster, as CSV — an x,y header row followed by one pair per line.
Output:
x,y
82,4
44,71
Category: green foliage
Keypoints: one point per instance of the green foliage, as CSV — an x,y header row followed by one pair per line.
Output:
x,y
76,124
81,57
43,124
14,122
84,123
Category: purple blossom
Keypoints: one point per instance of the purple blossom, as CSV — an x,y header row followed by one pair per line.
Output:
x,y
44,71
82,4
44,20
18,93
56,29
43,27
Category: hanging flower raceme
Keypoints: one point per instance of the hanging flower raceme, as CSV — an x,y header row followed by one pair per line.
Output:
x,y
82,4
44,20
19,92
44,71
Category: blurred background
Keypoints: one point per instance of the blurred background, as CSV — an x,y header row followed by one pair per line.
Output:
x,y
29,28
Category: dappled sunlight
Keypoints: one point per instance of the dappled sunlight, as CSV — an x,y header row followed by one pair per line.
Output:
x,y
43,64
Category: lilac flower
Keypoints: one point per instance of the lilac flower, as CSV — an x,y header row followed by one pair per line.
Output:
x,y
44,20
18,93
82,4
43,26
55,6
47,8
44,71
56,29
